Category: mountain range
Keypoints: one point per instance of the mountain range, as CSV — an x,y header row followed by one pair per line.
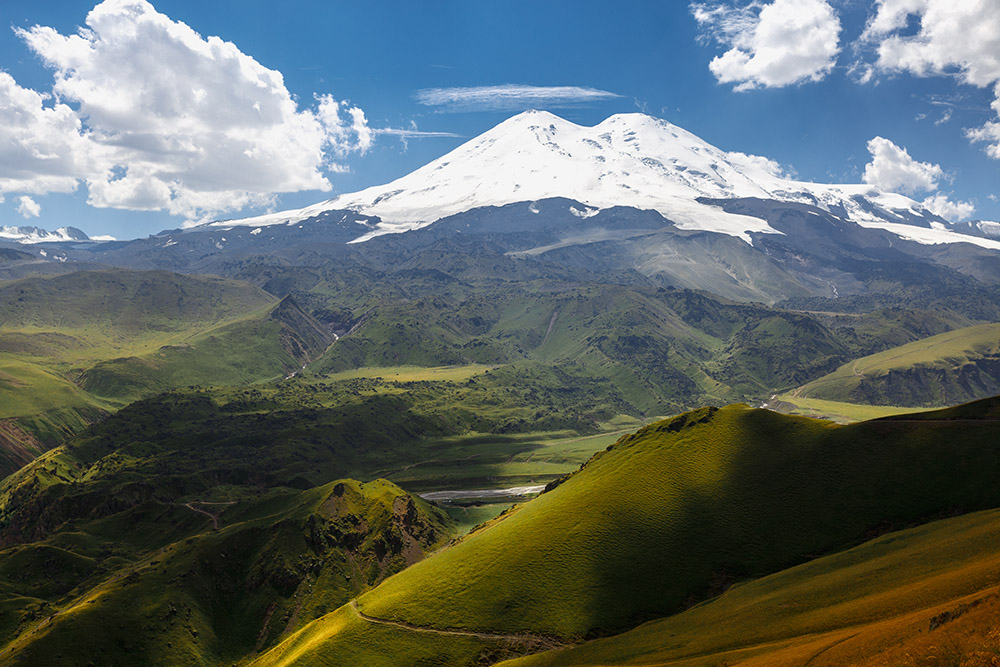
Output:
x,y
550,399
633,194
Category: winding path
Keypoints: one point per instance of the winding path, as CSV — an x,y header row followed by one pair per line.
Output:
x,y
213,517
535,641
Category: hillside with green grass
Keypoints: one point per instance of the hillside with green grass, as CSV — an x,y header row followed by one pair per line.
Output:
x,y
206,581
664,350
944,369
75,347
923,596
478,429
206,524
672,515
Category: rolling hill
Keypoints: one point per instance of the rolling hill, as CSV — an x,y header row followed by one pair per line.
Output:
x,y
922,596
951,367
212,523
218,526
666,518
206,581
74,347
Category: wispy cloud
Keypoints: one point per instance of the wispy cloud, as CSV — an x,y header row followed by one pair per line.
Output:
x,y
405,134
413,134
509,97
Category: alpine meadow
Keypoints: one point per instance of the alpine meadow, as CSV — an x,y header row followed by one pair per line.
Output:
x,y
518,334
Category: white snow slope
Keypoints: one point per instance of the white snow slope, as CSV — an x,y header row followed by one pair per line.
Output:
x,y
628,160
37,235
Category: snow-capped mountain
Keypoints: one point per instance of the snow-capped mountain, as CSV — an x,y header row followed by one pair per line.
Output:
x,y
631,160
37,235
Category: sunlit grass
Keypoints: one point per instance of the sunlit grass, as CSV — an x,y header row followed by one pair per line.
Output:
x,y
838,411
870,605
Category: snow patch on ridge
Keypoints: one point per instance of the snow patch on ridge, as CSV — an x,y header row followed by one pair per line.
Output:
x,y
32,235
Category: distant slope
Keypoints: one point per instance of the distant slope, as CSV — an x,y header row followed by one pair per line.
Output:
x,y
266,344
75,346
949,368
663,349
926,595
676,512
135,302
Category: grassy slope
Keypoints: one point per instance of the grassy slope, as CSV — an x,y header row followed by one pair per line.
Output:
x,y
247,350
93,315
108,501
55,327
842,413
663,350
181,593
74,347
681,507
947,368
872,604
305,431
80,519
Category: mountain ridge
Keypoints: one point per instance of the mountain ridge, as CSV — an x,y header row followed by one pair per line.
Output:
x,y
631,160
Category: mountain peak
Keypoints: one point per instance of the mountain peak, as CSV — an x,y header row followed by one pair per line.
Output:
x,y
631,160
31,234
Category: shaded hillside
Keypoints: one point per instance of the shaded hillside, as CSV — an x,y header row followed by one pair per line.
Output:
x,y
74,347
206,582
948,368
923,596
674,514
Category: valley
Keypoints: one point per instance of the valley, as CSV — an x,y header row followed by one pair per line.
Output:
x,y
666,407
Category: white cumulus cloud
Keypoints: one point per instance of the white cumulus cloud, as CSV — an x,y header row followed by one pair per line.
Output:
x,y
959,38
42,148
892,169
771,44
766,164
939,204
28,207
179,122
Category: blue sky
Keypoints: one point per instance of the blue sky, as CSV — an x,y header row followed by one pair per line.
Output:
x,y
814,111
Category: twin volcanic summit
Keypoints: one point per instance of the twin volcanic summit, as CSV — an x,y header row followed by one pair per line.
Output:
x,y
629,160
633,193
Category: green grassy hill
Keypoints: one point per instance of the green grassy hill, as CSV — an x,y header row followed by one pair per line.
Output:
x,y
664,350
302,432
674,514
264,344
206,582
923,596
75,347
118,522
948,368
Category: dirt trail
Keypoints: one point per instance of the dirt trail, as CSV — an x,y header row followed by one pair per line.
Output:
x,y
213,517
538,642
